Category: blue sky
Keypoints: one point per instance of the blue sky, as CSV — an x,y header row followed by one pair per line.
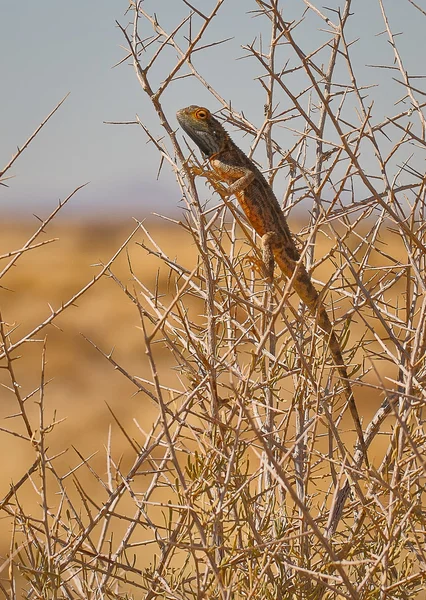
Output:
x,y
50,48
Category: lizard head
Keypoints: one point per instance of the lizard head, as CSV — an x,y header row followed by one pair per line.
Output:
x,y
202,128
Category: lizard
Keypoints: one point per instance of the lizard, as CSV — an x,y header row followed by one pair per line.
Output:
x,y
264,213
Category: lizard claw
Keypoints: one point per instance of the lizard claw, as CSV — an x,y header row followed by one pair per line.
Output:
x,y
196,171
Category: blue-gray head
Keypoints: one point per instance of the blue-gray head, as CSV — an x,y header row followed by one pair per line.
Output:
x,y
204,129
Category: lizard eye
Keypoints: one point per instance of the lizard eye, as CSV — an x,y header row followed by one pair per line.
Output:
x,y
202,114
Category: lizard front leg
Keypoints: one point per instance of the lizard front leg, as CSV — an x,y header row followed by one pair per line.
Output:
x,y
240,181
237,177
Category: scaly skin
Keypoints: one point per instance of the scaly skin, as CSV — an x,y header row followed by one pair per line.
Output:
x,y
263,211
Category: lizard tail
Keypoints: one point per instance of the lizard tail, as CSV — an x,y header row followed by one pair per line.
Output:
x,y
336,353
309,295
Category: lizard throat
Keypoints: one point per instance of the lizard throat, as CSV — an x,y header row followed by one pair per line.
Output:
x,y
204,139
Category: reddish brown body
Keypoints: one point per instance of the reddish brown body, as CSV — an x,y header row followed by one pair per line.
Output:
x,y
263,211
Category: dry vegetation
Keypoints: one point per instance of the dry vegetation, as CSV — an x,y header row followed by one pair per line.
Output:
x,y
229,470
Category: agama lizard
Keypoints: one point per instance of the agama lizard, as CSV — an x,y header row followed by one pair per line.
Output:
x,y
263,211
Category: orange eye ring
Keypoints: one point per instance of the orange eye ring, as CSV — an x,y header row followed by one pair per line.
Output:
x,y
202,114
